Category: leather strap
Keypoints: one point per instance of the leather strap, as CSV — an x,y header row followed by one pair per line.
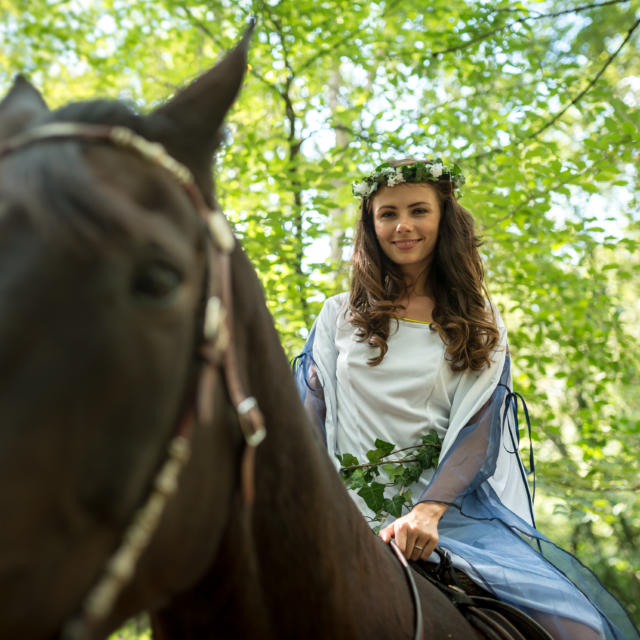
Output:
x,y
249,414
412,587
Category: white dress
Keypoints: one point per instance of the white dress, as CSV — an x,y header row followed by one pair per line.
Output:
x,y
403,398
412,391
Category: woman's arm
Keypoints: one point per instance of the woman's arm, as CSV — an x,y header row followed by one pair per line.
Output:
x,y
316,366
470,458
416,533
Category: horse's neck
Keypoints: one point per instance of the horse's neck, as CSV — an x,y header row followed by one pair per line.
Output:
x,y
319,566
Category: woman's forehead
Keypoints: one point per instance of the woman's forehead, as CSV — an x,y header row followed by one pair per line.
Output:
x,y
405,194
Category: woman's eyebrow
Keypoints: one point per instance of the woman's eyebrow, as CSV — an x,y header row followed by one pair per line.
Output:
x,y
393,206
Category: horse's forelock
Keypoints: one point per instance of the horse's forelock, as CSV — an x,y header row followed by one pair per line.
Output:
x,y
53,187
107,112
65,198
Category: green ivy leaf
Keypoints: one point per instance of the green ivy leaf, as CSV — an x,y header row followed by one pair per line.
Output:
x,y
373,495
382,449
385,447
431,438
347,460
393,506
358,480
411,474
427,457
394,472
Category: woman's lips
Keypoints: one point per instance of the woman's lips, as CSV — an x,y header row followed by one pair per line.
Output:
x,y
405,245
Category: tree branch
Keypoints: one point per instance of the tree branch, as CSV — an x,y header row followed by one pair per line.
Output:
x,y
294,151
554,14
367,138
592,82
585,7
572,103
348,37
533,194
332,49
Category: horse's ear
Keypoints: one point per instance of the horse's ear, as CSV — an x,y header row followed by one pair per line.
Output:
x,y
21,105
189,124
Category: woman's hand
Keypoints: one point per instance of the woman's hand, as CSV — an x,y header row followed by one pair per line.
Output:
x,y
416,533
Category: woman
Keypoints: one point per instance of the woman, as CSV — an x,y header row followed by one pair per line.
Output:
x,y
416,346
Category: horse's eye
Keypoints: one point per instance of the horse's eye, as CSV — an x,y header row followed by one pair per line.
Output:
x,y
156,280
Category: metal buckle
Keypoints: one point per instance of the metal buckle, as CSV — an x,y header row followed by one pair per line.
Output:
x,y
253,437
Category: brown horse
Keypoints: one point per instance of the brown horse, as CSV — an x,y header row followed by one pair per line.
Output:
x,y
103,269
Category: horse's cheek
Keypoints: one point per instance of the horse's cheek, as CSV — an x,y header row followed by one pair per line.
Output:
x,y
188,540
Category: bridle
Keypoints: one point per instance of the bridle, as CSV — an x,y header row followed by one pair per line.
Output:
x,y
216,349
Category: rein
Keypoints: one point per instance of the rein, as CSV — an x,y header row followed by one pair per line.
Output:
x,y
412,587
216,349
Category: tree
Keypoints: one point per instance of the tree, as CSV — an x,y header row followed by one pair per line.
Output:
x,y
541,107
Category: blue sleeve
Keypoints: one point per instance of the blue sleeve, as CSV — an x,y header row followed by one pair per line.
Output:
x,y
310,389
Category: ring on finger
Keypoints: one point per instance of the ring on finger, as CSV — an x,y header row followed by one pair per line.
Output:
x,y
417,546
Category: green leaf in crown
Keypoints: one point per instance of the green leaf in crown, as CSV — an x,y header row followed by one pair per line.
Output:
x,y
422,171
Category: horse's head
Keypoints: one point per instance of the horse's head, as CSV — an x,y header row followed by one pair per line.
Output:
x,y
102,276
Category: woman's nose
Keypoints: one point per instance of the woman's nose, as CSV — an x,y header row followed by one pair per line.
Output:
x,y
404,225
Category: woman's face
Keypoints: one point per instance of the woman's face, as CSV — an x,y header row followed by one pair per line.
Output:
x,y
406,218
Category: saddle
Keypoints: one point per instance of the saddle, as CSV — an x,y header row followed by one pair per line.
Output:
x,y
490,617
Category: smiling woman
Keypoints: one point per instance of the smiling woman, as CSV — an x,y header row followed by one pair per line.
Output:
x,y
406,220
369,375
414,202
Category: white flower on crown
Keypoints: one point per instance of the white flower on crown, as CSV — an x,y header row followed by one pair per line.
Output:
x,y
360,189
364,189
395,177
418,172
436,169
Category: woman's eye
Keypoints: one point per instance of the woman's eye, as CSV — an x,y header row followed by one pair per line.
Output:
x,y
420,211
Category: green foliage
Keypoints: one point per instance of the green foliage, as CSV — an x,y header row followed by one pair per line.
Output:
x,y
539,103
389,468
135,629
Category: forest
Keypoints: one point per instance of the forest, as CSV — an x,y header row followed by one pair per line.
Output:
x,y
537,101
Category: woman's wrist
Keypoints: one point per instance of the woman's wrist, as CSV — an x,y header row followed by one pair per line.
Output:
x,y
432,509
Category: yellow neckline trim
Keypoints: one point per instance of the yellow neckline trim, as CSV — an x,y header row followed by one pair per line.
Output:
x,y
416,321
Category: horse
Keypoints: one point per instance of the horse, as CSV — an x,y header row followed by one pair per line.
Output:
x,y
107,271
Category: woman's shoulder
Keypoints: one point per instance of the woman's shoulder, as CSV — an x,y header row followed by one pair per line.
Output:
x,y
334,308
340,299
334,304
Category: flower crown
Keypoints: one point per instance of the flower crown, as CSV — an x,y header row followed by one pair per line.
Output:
x,y
427,171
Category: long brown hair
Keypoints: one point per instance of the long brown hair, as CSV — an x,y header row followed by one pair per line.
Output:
x,y
461,315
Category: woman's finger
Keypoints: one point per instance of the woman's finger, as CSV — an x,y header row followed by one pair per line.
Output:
x,y
418,550
387,533
400,532
429,547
